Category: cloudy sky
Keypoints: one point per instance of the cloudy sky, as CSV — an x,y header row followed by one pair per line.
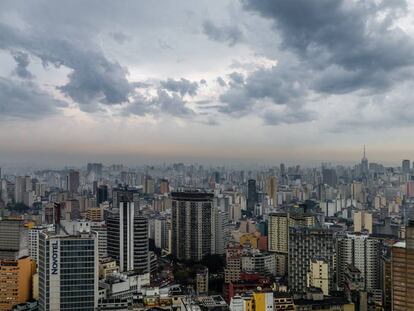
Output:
x,y
215,81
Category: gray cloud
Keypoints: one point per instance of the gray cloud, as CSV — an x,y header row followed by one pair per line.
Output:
x,y
288,116
221,82
182,86
236,77
94,79
353,43
22,62
24,100
280,85
171,103
224,33
120,37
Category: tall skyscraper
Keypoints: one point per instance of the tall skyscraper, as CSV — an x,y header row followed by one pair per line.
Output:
x,y
362,252
406,167
251,194
68,271
192,214
22,185
271,189
127,233
101,194
329,177
402,272
73,181
305,245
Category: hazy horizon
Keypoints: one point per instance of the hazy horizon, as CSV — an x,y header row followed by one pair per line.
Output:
x,y
234,81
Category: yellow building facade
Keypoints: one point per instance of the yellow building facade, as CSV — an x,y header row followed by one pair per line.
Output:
x,y
16,282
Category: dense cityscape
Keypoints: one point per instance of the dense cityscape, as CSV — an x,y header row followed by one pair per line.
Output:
x,y
208,155
192,237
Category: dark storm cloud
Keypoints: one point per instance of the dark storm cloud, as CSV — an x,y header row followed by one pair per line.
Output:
x,y
94,78
24,100
22,62
182,86
353,43
230,35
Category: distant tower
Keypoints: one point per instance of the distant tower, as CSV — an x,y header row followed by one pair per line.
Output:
x,y
364,165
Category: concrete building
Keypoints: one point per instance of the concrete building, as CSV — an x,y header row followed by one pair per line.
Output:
x,y
362,252
68,271
305,244
13,239
192,231
278,234
16,281
128,238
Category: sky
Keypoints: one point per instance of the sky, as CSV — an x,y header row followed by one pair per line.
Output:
x,y
217,81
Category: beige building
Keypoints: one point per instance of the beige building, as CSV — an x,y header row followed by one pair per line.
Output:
x,y
362,221
107,266
202,281
278,235
318,276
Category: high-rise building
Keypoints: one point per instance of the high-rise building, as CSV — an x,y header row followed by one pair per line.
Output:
x,y
192,214
318,275
125,194
362,221
73,181
68,271
402,272
251,194
329,177
13,239
94,169
161,233
406,167
128,238
101,194
362,252
34,234
164,186
220,231
16,281
21,186
271,189
278,234
306,244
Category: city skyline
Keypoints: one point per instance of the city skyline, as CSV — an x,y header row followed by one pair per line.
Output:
x,y
213,82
